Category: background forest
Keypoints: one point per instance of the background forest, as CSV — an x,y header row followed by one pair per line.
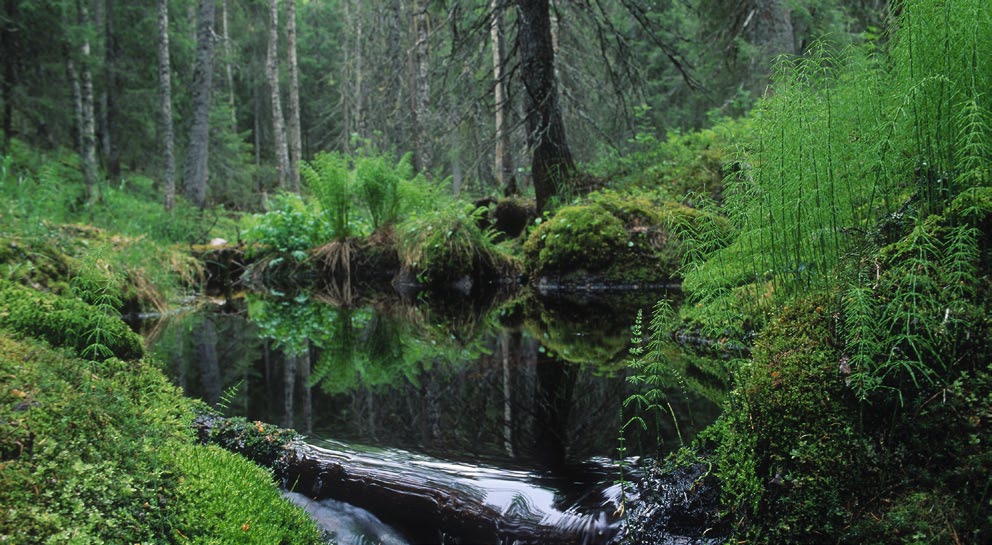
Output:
x,y
126,85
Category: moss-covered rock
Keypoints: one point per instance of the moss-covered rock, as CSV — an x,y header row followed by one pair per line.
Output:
x,y
67,321
624,238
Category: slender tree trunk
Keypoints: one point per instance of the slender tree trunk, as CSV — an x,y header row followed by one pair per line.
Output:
x,y
85,111
165,107
199,140
8,50
77,97
228,68
422,90
503,155
293,123
552,166
111,150
272,71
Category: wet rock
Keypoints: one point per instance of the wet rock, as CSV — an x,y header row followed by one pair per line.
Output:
x,y
676,506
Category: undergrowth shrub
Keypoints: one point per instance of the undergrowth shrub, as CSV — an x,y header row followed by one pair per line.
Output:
x,y
442,244
290,227
849,142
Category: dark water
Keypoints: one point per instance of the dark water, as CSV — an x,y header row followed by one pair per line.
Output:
x,y
526,384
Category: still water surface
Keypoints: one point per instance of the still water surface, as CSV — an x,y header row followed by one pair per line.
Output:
x,y
530,384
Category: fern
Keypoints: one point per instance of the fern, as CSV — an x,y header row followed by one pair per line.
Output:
x,y
331,181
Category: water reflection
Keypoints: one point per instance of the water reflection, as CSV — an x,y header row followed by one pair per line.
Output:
x,y
526,382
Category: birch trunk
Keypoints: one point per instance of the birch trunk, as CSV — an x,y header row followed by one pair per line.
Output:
x,y
111,150
422,90
84,108
199,140
503,155
165,107
228,68
293,123
272,71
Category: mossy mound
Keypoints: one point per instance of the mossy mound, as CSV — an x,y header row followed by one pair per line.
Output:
x,y
105,454
67,321
615,238
800,459
440,249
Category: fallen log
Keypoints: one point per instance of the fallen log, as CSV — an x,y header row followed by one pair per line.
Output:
x,y
441,501
429,500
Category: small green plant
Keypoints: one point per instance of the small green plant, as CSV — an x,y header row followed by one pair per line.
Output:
x,y
651,373
289,228
333,184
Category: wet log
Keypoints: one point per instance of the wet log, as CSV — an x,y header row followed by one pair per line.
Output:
x,y
433,500
428,499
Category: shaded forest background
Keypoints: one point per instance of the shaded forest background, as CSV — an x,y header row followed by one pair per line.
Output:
x,y
440,79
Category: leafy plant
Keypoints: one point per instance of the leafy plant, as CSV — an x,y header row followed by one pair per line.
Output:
x,y
333,184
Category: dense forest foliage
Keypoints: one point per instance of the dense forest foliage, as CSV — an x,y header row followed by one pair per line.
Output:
x,y
815,174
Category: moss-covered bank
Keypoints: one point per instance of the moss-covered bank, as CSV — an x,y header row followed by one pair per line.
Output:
x,y
97,447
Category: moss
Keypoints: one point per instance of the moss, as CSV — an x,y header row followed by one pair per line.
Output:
x,y
789,455
67,321
615,238
105,454
577,237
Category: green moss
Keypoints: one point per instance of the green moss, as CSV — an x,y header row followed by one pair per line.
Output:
x,y
789,454
616,237
104,453
67,321
577,237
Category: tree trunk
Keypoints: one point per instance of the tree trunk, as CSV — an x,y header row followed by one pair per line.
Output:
x,y
111,150
504,158
84,108
272,71
228,68
422,89
165,107
768,26
552,166
8,51
293,123
199,139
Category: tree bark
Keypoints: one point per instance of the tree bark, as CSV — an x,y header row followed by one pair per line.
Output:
x,y
111,150
422,90
166,136
272,71
228,66
84,105
293,123
504,157
768,26
199,140
8,48
552,166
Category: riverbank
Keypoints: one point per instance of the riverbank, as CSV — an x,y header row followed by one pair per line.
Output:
x,y
95,444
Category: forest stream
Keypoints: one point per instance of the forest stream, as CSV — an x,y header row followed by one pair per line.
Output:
x,y
438,421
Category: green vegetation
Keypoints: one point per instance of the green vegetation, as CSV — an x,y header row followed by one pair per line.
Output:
x,y
103,452
615,237
858,257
